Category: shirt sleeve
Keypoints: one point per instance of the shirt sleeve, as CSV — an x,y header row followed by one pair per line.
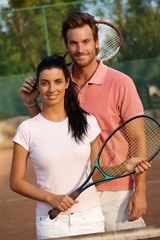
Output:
x,y
130,104
22,136
94,129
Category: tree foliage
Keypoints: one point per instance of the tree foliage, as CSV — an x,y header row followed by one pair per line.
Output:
x,y
139,22
30,30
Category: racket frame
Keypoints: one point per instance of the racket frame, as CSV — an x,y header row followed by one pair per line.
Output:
x,y
96,164
119,34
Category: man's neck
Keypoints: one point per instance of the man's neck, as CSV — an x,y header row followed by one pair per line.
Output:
x,y
81,75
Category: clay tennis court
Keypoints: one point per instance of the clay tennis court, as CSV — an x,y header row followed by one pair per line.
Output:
x,y
17,214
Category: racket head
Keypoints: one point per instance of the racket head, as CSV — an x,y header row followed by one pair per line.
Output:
x,y
135,140
110,40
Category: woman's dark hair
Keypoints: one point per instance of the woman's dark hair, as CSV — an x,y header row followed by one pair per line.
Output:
x,y
77,117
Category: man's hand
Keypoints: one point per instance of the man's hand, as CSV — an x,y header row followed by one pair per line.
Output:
x,y
28,92
142,167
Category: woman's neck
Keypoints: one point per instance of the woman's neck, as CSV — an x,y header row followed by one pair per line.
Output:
x,y
54,115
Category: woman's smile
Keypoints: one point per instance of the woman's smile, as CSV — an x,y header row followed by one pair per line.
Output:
x,y
52,96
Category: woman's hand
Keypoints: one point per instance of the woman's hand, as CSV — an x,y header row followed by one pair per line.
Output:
x,y
61,202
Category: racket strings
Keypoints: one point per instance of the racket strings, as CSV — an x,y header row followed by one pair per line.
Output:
x,y
109,41
135,141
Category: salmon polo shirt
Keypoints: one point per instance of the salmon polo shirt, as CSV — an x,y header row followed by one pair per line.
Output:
x,y
112,98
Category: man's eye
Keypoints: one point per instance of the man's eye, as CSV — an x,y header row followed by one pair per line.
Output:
x,y
86,41
72,43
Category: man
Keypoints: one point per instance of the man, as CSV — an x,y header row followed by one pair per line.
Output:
x,y
112,98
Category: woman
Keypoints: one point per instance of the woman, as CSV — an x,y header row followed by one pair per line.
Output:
x,y
58,141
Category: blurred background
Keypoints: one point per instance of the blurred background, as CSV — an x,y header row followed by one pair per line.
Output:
x,y
30,30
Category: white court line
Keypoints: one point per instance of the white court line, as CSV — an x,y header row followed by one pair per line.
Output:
x,y
153,181
22,199
13,200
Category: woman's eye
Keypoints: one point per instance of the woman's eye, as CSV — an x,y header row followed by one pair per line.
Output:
x,y
43,83
59,81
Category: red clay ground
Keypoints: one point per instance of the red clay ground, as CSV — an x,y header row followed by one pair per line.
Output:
x,y
17,214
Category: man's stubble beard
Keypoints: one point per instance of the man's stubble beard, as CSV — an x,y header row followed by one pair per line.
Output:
x,y
82,65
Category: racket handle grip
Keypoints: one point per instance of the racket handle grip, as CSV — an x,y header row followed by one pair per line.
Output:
x,y
53,213
74,194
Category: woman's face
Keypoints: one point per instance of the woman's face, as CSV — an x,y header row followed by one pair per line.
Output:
x,y
52,86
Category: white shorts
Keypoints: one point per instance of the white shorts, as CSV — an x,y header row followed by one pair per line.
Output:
x,y
86,222
115,210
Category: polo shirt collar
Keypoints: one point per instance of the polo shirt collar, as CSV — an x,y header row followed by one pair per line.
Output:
x,y
99,75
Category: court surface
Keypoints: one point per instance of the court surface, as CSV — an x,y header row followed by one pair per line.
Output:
x,y
17,214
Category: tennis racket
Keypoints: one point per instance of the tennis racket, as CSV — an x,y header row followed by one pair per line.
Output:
x,y
110,40
134,140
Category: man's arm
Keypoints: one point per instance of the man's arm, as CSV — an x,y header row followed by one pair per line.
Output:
x,y
29,96
138,203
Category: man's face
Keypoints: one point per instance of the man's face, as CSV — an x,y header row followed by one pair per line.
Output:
x,y
81,45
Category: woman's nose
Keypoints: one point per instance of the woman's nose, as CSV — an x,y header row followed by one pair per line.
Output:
x,y
51,87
